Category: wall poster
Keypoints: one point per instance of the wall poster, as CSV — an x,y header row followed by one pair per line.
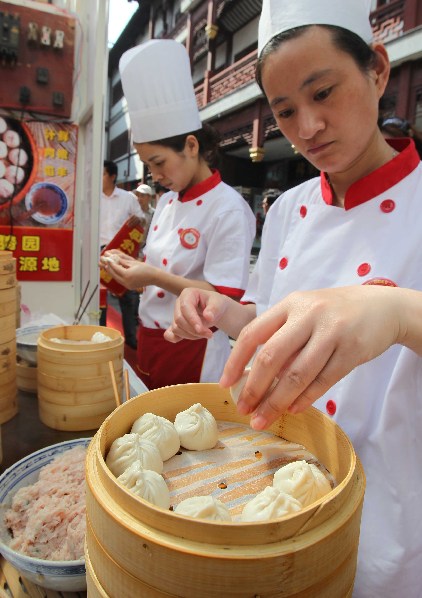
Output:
x,y
37,196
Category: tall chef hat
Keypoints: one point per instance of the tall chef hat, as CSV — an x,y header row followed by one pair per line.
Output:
x,y
158,88
281,15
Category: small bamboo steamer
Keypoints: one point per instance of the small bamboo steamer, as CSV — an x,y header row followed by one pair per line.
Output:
x,y
8,387
311,553
8,400
7,328
8,301
26,376
74,386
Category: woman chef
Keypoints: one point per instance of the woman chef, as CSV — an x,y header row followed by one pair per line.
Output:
x,y
355,234
202,230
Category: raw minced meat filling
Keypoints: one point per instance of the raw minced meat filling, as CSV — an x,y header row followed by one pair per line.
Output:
x,y
47,519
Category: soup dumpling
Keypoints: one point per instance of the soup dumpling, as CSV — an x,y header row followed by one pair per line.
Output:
x,y
204,507
197,428
147,484
271,503
132,448
160,431
302,480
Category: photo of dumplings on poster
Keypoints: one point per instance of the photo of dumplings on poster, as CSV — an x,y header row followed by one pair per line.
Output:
x,y
37,196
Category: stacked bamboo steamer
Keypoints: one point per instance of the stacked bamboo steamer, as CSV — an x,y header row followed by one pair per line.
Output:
x,y
75,389
136,549
8,309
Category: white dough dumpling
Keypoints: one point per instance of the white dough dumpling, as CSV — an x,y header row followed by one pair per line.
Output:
x,y
302,480
99,337
237,388
204,507
197,428
271,503
147,484
130,449
160,431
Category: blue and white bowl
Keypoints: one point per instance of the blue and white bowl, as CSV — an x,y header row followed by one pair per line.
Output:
x,y
65,576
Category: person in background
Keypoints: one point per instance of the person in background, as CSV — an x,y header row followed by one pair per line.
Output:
x,y
333,308
269,198
144,195
393,126
202,230
117,207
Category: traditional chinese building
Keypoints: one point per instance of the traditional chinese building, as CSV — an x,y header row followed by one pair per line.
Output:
x,y
221,38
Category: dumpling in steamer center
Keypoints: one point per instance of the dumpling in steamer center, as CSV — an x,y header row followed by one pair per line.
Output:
x,y
160,431
130,449
197,428
302,480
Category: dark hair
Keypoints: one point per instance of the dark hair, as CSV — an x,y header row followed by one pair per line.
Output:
x,y
159,188
111,168
208,139
343,39
271,195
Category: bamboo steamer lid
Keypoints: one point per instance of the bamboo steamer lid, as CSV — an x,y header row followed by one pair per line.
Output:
x,y
310,553
74,386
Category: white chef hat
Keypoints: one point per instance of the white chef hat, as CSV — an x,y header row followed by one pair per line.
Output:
x,y
281,15
158,87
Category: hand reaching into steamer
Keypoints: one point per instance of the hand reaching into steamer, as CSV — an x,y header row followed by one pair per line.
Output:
x,y
309,341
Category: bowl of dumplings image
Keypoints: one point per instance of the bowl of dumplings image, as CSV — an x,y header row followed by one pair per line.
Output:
x,y
47,203
184,498
18,161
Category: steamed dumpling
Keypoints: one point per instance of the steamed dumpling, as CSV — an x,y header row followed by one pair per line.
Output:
x,y
147,484
160,431
302,480
237,388
132,448
204,507
99,337
197,428
271,503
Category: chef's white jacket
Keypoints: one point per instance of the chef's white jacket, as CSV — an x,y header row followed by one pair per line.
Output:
x,y
206,234
308,244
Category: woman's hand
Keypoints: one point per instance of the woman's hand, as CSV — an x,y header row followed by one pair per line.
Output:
x,y
128,271
198,310
195,312
311,340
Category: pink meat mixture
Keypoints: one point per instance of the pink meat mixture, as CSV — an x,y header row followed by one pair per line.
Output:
x,y
47,519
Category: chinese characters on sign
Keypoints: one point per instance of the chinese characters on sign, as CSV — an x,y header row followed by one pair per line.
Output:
x,y
37,218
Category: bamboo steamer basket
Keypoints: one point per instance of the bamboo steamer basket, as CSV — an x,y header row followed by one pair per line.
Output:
x,y
7,328
74,386
8,304
8,387
26,376
137,549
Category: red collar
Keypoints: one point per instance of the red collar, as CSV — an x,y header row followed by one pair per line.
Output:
x,y
201,188
379,180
